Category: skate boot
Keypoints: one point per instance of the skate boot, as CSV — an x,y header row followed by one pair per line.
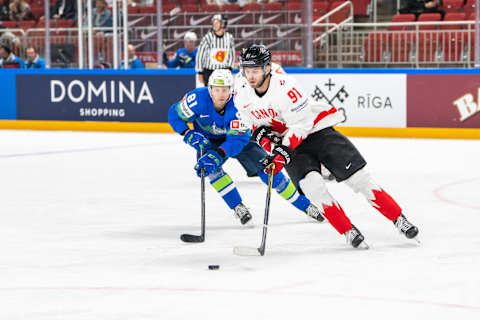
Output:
x,y
405,227
355,238
242,213
313,212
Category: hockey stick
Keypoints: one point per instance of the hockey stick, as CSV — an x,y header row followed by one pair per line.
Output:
x,y
260,251
191,237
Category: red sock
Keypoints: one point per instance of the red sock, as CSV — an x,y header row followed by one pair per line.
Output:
x,y
384,203
336,216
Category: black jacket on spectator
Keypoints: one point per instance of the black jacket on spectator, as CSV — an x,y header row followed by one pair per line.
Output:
x,y
69,11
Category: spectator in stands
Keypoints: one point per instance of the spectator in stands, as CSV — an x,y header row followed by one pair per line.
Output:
x,y
10,40
8,59
418,7
33,60
216,51
101,17
5,10
20,10
133,61
185,57
64,9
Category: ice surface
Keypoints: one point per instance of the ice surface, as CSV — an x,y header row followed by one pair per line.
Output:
x,y
90,226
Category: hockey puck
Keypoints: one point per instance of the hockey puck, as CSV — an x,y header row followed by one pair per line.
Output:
x,y
213,267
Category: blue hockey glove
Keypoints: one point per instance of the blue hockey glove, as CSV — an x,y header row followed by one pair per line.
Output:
x,y
212,162
196,140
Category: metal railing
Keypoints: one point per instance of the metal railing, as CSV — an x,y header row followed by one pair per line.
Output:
x,y
412,44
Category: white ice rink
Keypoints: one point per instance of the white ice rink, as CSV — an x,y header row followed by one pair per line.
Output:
x,y
90,226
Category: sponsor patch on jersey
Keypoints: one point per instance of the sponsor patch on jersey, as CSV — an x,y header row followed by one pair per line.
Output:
x,y
300,106
187,112
238,125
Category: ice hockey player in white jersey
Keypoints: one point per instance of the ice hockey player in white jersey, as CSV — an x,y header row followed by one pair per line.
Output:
x,y
303,138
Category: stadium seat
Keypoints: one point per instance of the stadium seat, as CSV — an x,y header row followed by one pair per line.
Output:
x,y
294,6
341,15
37,12
9,24
149,10
406,17
132,10
188,7
469,7
453,16
212,7
231,7
452,5
27,24
64,23
252,7
374,46
424,17
360,7
400,45
273,6
319,9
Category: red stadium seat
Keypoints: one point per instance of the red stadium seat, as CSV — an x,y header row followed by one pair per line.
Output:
x,y
469,7
375,45
294,6
65,23
453,16
407,17
132,10
190,7
253,6
231,7
212,7
9,24
273,6
360,7
424,17
149,10
37,12
27,24
452,5
340,15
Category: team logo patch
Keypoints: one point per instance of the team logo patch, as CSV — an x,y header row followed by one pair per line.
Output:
x,y
220,56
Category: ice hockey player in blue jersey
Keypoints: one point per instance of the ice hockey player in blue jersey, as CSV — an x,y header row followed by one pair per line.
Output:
x,y
222,134
185,57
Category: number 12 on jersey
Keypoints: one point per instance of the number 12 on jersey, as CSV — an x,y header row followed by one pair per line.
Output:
x,y
294,95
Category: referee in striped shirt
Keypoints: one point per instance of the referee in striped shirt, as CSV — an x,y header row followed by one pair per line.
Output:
x,y
216,51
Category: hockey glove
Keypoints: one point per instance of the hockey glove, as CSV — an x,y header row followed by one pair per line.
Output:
x,y
281,156
211,161
265,137
196,140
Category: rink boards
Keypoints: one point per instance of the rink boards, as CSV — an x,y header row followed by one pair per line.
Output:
x,y
438,103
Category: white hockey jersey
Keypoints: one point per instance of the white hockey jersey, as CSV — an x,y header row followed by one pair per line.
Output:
x,y
285,107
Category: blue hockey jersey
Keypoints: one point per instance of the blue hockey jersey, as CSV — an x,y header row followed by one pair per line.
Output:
x,y
197,107
183,59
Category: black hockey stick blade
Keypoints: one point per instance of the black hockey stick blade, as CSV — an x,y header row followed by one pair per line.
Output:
x,y
191,238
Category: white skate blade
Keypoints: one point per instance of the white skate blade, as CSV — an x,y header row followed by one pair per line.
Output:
x,y
246,251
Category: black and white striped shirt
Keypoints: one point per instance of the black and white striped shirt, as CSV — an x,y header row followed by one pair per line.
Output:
x,y
215,52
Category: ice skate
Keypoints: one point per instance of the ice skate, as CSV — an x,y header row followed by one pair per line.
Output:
x,y
355,238
406,228
242,213
315,213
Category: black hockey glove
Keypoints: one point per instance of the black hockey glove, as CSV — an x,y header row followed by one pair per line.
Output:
x,y
265,137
